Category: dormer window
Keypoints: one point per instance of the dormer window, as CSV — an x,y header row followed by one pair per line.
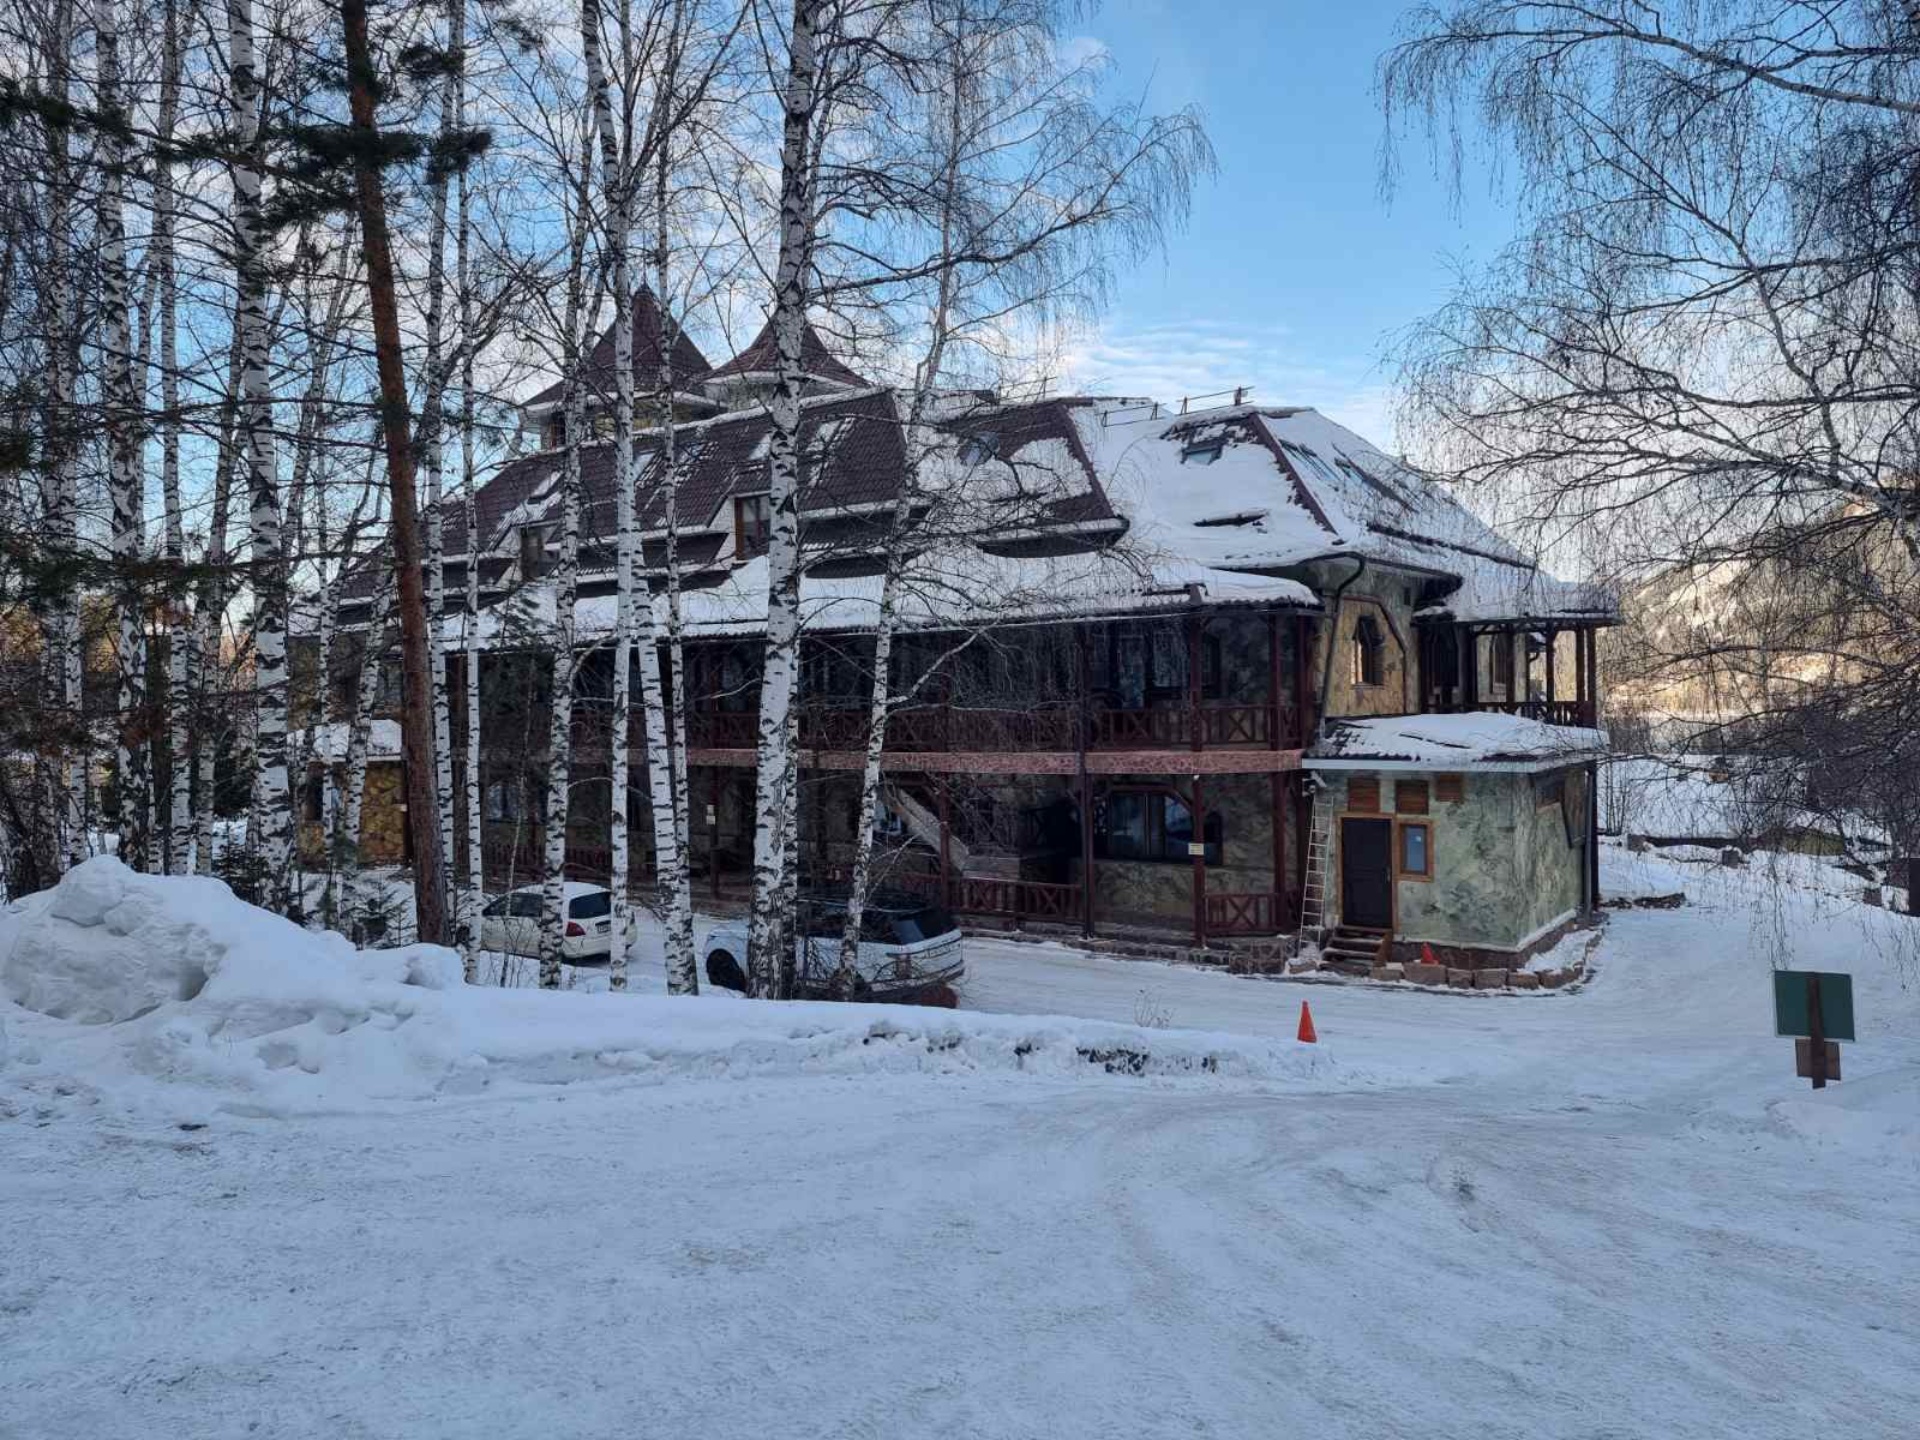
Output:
x,y
1369,652
1203,452
752,524
978,449
555,433
533,550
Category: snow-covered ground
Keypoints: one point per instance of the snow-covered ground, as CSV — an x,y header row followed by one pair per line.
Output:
x,y
327,1196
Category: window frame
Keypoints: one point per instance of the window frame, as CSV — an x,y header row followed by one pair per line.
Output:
x,y
1400,870
1158,847
1368,657
751,541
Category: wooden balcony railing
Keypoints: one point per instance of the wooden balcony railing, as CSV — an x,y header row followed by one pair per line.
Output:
x,y
1018,899
1172,726
1253,913
925,728
1552,712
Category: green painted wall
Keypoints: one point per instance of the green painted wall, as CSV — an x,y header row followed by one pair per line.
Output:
x,y
1502,867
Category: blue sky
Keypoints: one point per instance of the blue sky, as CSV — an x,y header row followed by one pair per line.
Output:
x,y
1294,272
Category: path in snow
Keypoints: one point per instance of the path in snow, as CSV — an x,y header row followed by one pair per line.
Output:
x,y
1603,1214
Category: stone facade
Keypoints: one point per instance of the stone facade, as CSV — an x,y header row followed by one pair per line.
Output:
x,y
383,817
1389,601
1504,876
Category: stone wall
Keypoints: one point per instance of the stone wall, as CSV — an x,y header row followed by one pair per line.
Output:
x,y
1502,867
383,818
1389,599
1164,889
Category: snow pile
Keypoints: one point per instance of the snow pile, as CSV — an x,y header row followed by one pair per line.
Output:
x,y
175,980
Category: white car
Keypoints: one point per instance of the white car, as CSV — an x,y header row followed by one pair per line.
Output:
x,y
511,924
910,951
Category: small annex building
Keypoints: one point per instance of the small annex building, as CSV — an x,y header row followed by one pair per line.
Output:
x,y
1468,833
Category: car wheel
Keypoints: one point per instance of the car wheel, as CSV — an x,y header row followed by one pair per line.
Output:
x,y
723,970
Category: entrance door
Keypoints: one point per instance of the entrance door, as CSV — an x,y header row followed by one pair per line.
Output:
x,y
1366,873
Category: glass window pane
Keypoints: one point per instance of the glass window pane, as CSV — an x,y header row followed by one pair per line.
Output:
x,y
591,907
1177,821
1413,849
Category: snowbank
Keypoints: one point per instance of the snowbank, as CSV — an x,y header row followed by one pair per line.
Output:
x,y
174,980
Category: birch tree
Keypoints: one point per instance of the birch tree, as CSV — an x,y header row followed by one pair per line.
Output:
x,y
266,557
166,277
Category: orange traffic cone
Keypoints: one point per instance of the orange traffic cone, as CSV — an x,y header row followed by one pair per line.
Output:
x,y
1426,954
1307,1036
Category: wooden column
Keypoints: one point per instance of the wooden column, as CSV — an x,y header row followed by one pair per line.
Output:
x,y
1198,844
1083,737
1278,790
946,863
713,832
1553,643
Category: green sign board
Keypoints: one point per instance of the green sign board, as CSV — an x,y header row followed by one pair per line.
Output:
x,y
1791,1014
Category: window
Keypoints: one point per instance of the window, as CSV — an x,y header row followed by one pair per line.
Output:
x,y
1450,789
1363,794
313,797
1202,452
1410,797
1549,789
978,449
1500,665
590,906
1416,850
1152,825
556,432
533,550
752,524
501,801
1369,652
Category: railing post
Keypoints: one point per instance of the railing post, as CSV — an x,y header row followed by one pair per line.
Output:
x,y
1084,738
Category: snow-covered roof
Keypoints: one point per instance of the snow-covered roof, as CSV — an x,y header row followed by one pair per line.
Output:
x,y
329,741
1262,488
1477,741
968,587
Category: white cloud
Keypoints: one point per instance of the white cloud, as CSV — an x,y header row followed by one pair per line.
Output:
x,y
1206,358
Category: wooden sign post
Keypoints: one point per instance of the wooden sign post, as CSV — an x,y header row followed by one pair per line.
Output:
x,y
1815,1008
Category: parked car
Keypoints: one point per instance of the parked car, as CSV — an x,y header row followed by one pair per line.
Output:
x,y
910,950
511,924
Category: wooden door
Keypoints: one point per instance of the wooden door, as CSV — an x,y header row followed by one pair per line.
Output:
x,y
1366,873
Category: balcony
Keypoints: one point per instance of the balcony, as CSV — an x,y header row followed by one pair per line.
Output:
x,y
1550,712
926,729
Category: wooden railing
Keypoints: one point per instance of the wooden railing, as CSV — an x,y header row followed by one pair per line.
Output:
x,y
962,729
1019,899
1552,712
1253,913
1172,726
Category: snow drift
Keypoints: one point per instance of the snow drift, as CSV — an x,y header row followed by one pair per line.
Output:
x,y
176,980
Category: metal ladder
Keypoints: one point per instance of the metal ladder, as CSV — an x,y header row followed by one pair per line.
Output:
x,y
1313,894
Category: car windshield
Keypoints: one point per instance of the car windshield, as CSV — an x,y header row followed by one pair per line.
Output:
x,y
591,906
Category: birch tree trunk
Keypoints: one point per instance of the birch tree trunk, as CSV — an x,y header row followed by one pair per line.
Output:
x,y
474,896
61,503
432,449
274,842
553,917
123,415
675,872
179,642
619,205
346,840
773,790
209,604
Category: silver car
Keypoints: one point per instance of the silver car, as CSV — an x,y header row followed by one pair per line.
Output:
x,y
910,951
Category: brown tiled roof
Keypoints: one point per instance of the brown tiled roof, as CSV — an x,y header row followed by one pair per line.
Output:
x,y
649,324
762,357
